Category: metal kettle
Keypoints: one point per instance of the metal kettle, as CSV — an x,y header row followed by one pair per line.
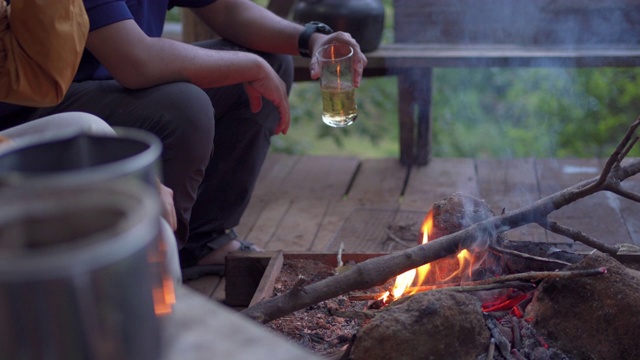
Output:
x,y
363,19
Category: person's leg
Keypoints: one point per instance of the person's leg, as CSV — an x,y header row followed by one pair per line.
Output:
x,y
63,123
240,147
180,114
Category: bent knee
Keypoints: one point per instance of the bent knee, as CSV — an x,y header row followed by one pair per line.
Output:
x,y
86,123
185,121
62,123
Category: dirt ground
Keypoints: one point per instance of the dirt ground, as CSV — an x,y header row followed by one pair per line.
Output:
x,y
566,314
323,328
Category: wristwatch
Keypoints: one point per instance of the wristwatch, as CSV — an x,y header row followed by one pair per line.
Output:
x,y
305,36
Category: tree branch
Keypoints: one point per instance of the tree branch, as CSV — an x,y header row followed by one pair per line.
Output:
x,y
623,148
627,194
512,279
527,256
377,271
578,236
465,287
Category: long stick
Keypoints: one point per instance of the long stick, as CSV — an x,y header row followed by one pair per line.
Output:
x,y
455,288
528,276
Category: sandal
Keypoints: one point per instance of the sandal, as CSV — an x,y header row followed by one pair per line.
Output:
x,y
197,271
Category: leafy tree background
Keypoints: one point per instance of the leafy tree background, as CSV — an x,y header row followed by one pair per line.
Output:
x,y
550,112
480,112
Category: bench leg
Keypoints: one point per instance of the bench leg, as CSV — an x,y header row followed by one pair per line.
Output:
x,y
423,105
414,115
405,119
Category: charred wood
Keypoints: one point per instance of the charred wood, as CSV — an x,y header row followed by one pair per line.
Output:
x,y
476,237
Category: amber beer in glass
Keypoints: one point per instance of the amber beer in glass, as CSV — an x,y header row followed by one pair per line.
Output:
x,y
336,82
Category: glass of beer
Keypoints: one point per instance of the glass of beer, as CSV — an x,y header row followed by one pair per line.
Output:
x,y
336,82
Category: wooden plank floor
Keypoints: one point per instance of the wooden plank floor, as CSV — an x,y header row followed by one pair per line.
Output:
x,y
315,203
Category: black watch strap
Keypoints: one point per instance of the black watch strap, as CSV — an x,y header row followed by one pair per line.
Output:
x,y
305,36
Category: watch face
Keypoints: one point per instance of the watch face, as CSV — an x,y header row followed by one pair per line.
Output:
x,y
321,28
309,29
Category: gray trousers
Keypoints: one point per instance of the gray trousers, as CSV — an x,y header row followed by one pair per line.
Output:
x,y
213,145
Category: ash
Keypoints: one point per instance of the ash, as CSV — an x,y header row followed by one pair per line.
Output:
x,y
516,339
318,327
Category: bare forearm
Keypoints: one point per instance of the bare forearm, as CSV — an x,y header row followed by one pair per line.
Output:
x,y
215,68
139,61
252,26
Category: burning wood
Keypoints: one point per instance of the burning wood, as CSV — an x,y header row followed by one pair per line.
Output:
x,y
520,281
463,243
518,322
452,287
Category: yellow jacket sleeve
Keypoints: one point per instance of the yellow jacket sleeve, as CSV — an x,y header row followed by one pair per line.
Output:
x,y
41,43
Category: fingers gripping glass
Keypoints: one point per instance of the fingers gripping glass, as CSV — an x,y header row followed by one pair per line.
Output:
x,y
336,82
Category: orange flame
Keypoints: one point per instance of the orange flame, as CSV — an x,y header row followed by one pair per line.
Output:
x,y
164,297
163,292
405,280
427,225
465,257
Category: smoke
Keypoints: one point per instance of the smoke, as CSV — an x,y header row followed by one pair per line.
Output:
x,y
531,103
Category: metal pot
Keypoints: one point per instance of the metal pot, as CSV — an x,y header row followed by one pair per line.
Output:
x,y
363,19
71,159
68,160
75,276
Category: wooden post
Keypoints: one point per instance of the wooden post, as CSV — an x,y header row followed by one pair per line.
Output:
x,y
193,29
423,102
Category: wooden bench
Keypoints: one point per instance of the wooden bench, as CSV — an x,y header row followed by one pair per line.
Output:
x,y
489,33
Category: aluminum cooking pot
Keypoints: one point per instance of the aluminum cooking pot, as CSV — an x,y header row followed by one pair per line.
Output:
x,y
75,277
71,159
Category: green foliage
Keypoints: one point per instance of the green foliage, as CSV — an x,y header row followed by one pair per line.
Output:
x,y
375,130
174,15
497,113
483,112
549,112
478,112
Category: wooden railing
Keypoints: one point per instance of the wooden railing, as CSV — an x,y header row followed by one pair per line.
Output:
x,y
484,33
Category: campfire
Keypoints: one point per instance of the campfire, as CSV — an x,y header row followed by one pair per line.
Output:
x,y
449,271
483,294
404,281
502,297
465,291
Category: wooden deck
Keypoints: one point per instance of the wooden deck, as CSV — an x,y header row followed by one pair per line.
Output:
x,y
309,203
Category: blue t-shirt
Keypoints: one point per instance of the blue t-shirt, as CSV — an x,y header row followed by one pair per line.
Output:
x,y
150,15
